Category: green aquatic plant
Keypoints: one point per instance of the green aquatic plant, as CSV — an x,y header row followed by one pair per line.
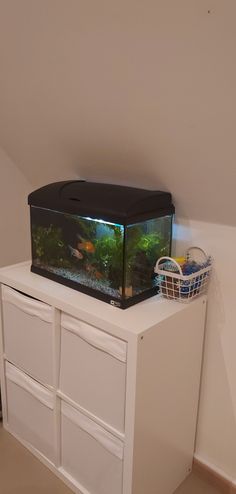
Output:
x,y
142,252
86,228
48,246
108,257
154,245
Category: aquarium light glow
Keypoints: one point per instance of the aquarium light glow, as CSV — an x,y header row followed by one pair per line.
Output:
x,y
102,221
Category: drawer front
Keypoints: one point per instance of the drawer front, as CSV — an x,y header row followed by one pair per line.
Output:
x,y
30,411
28,335
93,370
89,454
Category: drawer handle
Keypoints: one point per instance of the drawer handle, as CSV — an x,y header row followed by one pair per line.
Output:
x,y
28,305
33,387
95,337
105,438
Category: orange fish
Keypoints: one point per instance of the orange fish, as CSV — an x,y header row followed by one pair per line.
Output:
x,y
87,246
98,275
93,271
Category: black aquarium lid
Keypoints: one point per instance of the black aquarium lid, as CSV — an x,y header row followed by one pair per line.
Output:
x,y
114,203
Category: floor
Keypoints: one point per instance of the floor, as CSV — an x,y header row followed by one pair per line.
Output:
x,y
22,473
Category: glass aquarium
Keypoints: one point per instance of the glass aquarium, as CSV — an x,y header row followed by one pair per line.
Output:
x,y
111,260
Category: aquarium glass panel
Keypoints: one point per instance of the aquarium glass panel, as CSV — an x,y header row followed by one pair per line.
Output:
x,y
144,243
84,250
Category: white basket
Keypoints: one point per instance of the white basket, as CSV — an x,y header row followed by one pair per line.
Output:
x,y
177,286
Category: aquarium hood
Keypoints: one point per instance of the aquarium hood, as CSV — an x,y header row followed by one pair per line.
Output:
x,y
114,203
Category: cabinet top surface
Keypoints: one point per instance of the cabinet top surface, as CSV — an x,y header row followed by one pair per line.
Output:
x,y
133,320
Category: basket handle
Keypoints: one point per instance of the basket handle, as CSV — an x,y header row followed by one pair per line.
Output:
x,y
196,248
166,258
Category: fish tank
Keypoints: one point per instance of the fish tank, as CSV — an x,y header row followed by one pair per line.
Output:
x,y
101,239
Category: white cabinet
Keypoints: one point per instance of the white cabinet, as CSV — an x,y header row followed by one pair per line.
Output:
x,y
106,398
28,335
93,370
30,411
90,454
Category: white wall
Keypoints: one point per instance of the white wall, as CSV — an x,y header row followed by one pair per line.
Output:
x,y
216,438
14,217
140,93
132,91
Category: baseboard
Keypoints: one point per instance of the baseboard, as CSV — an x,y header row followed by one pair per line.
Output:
x,y
214,476
58,471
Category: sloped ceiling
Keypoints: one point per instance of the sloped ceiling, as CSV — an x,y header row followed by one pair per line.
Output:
x,y
134,92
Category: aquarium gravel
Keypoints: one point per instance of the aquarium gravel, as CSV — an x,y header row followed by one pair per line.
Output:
x,y
83,278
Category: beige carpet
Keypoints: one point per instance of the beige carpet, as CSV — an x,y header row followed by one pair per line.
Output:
x,y
22,473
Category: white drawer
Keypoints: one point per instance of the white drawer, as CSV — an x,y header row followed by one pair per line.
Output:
x,y
90,454
30,411
93,370
28,335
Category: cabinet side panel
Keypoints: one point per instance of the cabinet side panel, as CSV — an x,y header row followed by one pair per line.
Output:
x,y
168,382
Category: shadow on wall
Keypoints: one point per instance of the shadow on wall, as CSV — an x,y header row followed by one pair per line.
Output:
x,y
216,435
149,78
217,410
14,214
118,167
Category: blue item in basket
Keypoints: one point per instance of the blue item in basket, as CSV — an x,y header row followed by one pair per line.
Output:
x,y
190,267
170,266
189,286
184,289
